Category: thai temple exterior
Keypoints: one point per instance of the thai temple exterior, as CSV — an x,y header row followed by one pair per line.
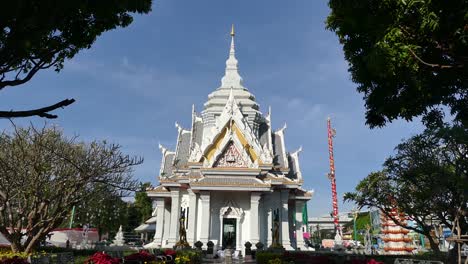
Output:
x,y
396,239
230,175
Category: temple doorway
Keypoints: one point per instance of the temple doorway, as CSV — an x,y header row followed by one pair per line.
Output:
x,y
229,233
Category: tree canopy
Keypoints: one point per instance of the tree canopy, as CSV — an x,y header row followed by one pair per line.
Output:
x,y
426,180
41,34
408,57
43,174
143,202
104,210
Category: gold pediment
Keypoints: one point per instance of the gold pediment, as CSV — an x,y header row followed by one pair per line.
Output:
x,y
220,142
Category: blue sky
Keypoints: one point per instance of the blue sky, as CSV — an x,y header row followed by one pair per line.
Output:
x,y
134,83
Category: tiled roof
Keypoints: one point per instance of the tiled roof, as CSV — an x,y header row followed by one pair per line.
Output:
x,y
168,180
183,150
197,132
263,134
278,151
167,171
230,181
159,189
292,168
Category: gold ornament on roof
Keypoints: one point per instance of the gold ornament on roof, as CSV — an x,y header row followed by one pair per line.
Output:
x,y
232,31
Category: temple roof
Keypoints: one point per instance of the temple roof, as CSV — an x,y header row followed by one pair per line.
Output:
x,y
230,143
231,82
182,148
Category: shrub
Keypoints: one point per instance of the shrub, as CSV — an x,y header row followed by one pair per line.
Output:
x,y
170,252
264,257
14,260
188,256
102,258
142,256
9,257
275,261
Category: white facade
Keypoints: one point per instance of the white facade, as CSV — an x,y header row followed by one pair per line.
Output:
x,y
229,172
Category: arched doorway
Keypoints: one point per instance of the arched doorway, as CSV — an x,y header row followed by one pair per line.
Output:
x,y
230,231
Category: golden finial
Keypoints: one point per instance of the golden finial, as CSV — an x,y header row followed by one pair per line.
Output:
x,y
232,31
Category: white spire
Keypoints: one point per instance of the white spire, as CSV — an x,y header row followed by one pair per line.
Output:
x,y
231,78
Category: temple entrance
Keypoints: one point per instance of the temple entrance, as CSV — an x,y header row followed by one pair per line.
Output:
x,y
229,233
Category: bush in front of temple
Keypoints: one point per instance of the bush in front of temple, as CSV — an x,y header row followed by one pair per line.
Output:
x,y
188,256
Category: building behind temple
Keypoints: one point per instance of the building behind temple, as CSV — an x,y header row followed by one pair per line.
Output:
x,y
229,172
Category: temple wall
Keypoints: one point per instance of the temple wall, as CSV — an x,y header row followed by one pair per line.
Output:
x,y
269,202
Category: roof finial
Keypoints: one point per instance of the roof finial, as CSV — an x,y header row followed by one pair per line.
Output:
x,y
231,78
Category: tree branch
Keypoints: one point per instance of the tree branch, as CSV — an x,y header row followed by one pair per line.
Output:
x,y
41,112
441,66
17,81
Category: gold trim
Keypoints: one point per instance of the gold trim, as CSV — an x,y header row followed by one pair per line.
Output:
x,y
216,144
219,139
244,142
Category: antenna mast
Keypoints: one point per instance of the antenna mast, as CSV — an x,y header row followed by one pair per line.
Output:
x,y
331,176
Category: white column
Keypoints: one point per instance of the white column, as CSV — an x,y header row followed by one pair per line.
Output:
x,y
175,211
158,234
192,218
254,219
205,213
167,225
299,224
285,241
270,226
239,235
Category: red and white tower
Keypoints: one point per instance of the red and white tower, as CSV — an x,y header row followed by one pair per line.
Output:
x,y
396,240
331,176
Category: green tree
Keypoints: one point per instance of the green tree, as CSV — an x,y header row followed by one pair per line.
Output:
x,y
362,223
132,217
105,211
426,180
43,174
408,57
143,202
41,34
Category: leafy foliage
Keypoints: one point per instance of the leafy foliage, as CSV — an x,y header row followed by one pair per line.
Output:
x,y
408,57
362,223
143,202
44,174
105,211
426,180
41,34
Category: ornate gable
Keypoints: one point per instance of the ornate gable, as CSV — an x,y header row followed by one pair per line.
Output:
x,y
231,157
231,126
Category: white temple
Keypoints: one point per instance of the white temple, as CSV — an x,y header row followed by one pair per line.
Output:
x,y
228,174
